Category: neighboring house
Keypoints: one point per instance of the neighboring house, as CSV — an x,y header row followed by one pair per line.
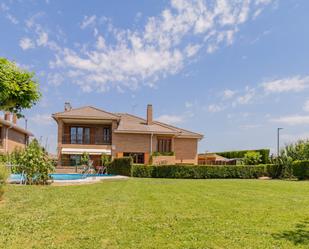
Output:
x,y
12,136
95,131
214,159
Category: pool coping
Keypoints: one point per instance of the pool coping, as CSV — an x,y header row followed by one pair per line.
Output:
x,y
87,180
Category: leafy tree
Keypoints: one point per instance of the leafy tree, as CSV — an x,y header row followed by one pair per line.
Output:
x,y
35,163
252,158
18,88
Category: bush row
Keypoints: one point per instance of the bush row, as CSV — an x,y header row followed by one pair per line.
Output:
x,y
203,172
120,166
125,166
241,153
301,169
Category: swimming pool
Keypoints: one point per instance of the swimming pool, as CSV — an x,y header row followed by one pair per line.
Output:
x,y
76,176
60,177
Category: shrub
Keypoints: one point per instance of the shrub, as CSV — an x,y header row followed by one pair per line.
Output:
x,y
241,153
157,153
301,169
120,166
35,163
85,159
252,158
4,173
201,171
105,159
298,150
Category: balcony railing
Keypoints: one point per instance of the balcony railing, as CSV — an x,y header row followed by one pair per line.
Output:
x,y
91,139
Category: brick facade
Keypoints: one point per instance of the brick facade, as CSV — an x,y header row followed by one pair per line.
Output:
x,y
129,135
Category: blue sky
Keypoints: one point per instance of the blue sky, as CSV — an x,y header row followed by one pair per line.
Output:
x,y
231,70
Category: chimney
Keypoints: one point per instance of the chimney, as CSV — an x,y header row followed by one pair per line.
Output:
x,y
15,118
7,116
67,106
149,114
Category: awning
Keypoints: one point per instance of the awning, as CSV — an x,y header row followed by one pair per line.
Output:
x,y
74,151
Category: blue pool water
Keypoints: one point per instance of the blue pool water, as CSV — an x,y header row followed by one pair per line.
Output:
x,y
18,177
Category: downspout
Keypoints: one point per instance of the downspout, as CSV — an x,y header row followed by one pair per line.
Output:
x,y
150,156
7,138
151,135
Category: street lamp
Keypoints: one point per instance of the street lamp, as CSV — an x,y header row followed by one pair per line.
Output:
x,y
278,141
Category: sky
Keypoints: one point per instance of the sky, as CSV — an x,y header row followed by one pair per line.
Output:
x,y
234,71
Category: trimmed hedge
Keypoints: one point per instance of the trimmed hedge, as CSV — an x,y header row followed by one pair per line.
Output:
x,y
301,169
203,172
241,153
120,166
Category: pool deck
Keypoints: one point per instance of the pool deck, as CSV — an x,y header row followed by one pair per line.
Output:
x,y
88,180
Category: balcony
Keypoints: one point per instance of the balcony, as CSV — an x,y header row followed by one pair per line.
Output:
x,y
90,139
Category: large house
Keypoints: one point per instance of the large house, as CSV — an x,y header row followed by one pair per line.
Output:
x,y
89,129
12,136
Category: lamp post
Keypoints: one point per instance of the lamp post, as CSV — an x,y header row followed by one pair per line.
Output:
x,y
278,141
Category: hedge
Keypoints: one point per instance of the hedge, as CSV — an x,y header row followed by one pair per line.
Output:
x,y
203,172
241,153
120,166
301,169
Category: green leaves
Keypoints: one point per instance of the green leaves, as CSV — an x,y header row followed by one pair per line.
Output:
x,y
18,88
252,158
35,163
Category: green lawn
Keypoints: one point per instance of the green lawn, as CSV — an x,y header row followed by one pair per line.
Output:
x,y
157,213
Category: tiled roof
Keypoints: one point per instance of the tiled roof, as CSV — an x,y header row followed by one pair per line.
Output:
x,y
130,123
127,123
86,112
15,127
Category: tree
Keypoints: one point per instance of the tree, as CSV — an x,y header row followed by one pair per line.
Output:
x,y
252,158
18,88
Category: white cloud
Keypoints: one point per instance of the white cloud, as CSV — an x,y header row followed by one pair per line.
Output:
x,y
246,98
163,47
12,18
292,84
191,50
26,43
227,94
170,119
100,43
43,39
292,120
88,21
215,108
55,79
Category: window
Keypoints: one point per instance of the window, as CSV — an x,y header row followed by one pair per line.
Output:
x,y
80,135
164,145
106,135
137,157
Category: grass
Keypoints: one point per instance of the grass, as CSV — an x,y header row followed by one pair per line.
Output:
x,y
157,213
